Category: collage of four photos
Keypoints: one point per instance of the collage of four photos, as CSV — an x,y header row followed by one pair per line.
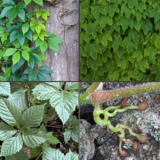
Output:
x,y
79,80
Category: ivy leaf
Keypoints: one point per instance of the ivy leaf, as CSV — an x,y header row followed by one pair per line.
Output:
x,y
33,137
21,14
20,98
40,2
157,42
11,146
18,156
93,49
6,131
27,1
132,3
25,55
5,89
150,51
10,51
7,3
12,13
147,26
72,129
32,117
54,46
5,11
21,38
13,112
16,57
71,156
142,65
25,27
114,76
43,46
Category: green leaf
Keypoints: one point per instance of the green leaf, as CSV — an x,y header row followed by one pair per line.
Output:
x,y
40,2
27,1
142,65
114,76
93,50
150,51
13,112
43,46
10,51
33,137
51,139
38,29
63,102
45,69
32,76
25,55
7,3
18,156
49,154
72,130
12,13
21,38
71,86
42,76
54,46
11,146
132,3
16,58
147,26
25,27
5,89
35,152
13,36
20,98
157,42
36,57
21,14
32,117
5,11
71,156
6,131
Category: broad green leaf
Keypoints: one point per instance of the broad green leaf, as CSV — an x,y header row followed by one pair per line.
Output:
x,y
157,42
52,154
27,1
13,36
42,76
8,3
21,14
5,11
150,51
35,152
38,29
10,112
147,26
43,46
18,156
25,55
32,117
25,27
21,38
32,76
5,88
20,98
6,131
40,2
142,65
114,76
10,51
51,139
63,102
11,145
72,130
71,156
33,137
16,57
71,86
54,46
45,69
12,13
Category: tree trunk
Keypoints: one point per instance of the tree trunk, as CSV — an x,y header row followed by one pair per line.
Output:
x,y
64,22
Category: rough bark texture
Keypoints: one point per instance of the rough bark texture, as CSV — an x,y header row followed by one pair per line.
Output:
x,y
64,22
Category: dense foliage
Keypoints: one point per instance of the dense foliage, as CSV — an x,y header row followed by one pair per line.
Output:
x,y
119,40
26,108
21,36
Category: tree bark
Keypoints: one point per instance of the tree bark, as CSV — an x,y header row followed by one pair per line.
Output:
x,y
64,22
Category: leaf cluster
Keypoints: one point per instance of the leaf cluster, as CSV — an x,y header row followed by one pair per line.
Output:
x,y
24,118
19,30
119,40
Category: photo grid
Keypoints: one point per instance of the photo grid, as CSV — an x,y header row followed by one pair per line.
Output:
x,y
79,80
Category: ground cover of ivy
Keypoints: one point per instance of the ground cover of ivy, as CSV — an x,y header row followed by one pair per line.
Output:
x,y
39,121
23,40
119,40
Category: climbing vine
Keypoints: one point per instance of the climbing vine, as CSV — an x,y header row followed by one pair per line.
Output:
x,y
119,40
23,40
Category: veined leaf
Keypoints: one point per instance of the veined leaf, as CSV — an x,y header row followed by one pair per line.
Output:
x,y
11,146
71,156
49,154
32,117
5,89
10,112
6,131
33,137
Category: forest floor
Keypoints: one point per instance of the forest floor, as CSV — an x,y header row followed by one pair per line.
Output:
x,y
96,143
